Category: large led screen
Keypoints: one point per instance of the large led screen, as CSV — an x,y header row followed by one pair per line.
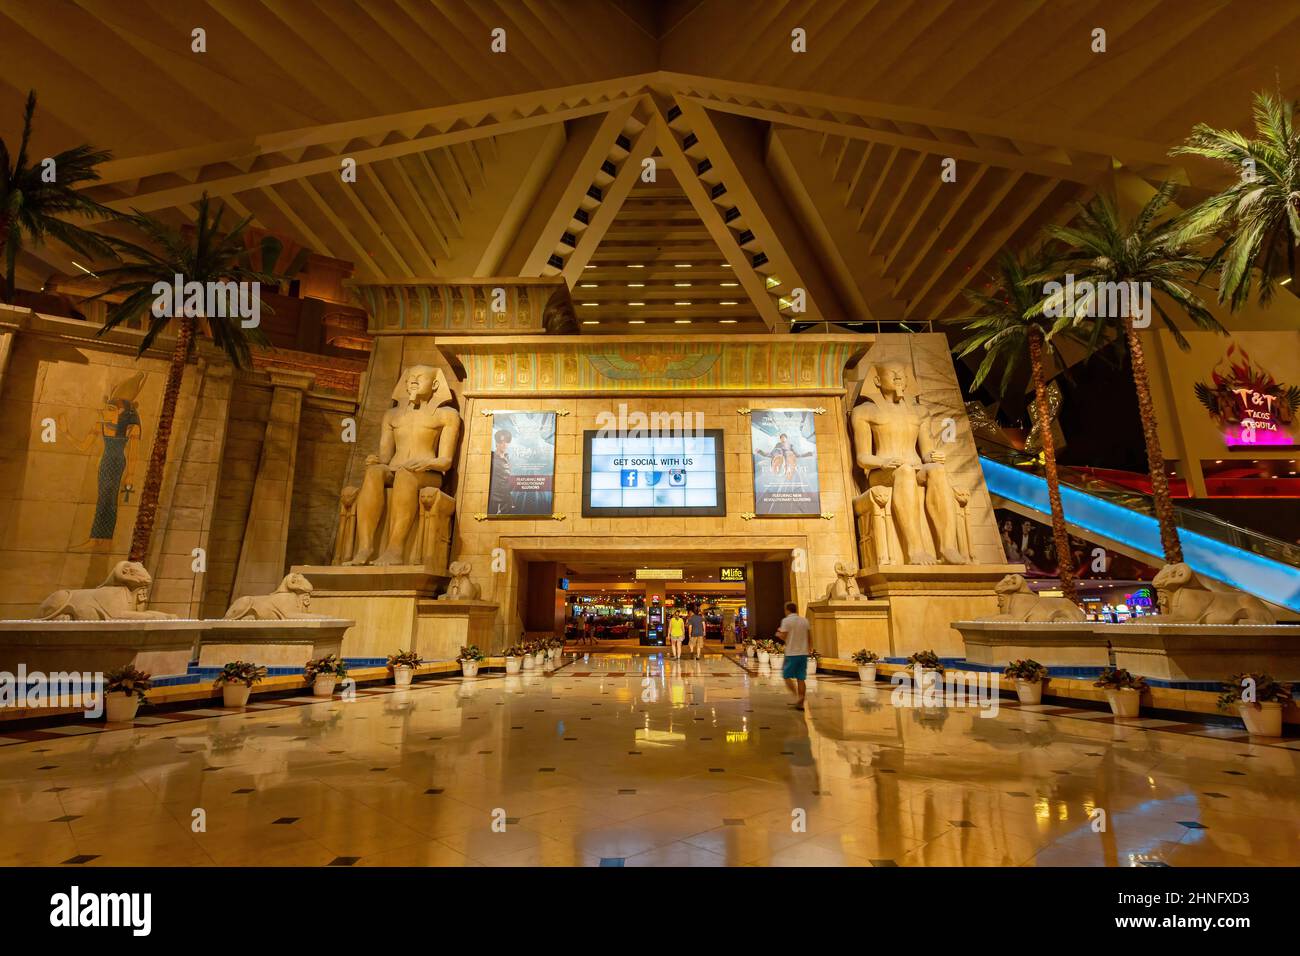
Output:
x,y
668,475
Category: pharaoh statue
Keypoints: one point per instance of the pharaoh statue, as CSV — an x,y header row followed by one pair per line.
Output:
x,y
907,481
417,448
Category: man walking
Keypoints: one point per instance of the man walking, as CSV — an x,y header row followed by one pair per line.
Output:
x,y
797,634
695,628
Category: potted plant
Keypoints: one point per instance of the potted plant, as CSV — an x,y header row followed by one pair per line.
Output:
x,y
1029,676
124,689
764,652
529,658
812,662
514,658
469,658
931,667
866,661
1262,714
1123,691
751,649
403,665
776,654
324,673
236,681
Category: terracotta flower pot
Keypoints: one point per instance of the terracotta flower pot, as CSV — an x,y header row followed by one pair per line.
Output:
x,y
120,708
323,685
235,694
1264,720
1029,691
1124,702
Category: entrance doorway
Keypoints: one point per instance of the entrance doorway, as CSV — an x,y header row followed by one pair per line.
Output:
x,y
615,602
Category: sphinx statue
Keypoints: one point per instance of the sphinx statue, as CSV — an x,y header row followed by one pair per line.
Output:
x,y
1018,602
845,586
124,596
1184,599
460,588
418,438
288,602
909,499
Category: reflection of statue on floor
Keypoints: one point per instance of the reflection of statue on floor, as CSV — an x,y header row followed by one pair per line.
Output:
x,y
417,447
906,476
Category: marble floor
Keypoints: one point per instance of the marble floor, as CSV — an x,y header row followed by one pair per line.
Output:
x,y
623,760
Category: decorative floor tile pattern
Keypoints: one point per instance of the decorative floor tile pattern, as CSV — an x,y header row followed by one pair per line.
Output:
x,y
466,772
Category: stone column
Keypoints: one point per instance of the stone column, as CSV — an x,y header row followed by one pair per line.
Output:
x,y
262,556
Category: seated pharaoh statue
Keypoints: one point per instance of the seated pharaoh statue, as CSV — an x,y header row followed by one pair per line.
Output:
x,y
907,481
400,493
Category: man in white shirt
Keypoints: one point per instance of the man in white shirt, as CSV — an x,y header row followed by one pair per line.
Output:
x,y
796,632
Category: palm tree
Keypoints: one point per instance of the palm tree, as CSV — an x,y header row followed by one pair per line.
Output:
x,y
30,206
200,253
1259,214
1005,326
1144,257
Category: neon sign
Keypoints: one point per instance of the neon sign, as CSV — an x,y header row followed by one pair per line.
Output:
x,y
1251,407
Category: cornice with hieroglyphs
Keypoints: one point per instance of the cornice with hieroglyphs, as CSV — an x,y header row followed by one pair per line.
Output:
x,y
604,364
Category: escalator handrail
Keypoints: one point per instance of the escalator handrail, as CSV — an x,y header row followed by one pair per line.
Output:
x,y
1201,522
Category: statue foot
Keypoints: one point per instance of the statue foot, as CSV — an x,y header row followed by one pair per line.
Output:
x,y
953,556
389,558
923,558
356,562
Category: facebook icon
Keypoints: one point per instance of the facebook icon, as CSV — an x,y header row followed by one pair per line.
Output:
x,y
630,477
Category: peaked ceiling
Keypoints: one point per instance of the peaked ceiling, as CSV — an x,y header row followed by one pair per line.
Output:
x,y
774,170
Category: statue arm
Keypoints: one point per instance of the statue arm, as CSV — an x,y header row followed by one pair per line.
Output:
x,y
867,461
925,443
387,442
448,440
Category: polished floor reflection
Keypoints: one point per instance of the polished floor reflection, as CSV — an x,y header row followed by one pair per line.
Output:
x,y
621,760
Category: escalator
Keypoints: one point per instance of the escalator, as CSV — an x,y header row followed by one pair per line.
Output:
x,y
1123,520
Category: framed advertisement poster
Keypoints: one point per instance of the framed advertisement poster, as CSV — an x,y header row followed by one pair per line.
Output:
x,y
522,482
784,446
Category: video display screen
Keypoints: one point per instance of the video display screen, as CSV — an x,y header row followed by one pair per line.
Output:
x,y
667,475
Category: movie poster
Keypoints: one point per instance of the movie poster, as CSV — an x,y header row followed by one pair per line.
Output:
x,y
523,464
784,445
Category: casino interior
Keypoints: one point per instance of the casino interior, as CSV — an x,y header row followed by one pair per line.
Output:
x,y
379,382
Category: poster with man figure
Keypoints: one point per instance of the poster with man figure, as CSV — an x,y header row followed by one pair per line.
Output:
x,y
784,446
523,464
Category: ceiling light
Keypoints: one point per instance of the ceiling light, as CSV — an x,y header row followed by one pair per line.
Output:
x,y
83,268
588,285
681,265
1286,281
727,321
681,303
589,267
682,285
635,265
636,285
636,321
636,303
728,285
772,282
591,322
728,303
591,303
681,321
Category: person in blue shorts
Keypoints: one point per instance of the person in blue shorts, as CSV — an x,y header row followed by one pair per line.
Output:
x,y
796,632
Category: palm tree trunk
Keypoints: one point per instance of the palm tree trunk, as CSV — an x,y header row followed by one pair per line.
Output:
x,y
1163,503
6,293
144,519
1060,536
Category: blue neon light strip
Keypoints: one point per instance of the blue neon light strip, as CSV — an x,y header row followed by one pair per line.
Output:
x,y
1244,570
